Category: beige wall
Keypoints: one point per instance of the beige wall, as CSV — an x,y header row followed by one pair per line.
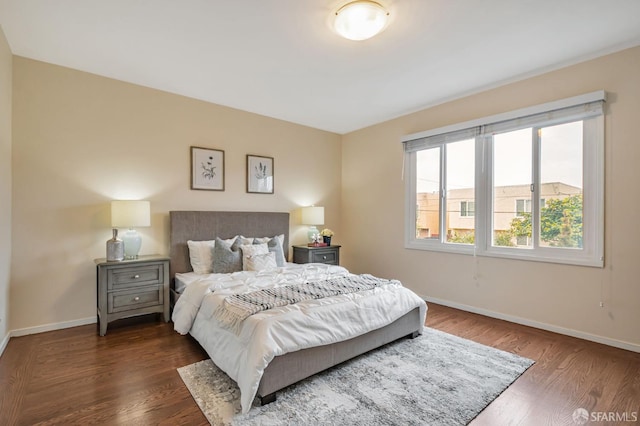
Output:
x,y
563,297
5,184
80,140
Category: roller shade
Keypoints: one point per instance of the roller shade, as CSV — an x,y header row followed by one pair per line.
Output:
x,y
566,110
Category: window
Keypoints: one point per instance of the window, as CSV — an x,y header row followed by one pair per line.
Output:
x,y
526,184
428,199
523,207
467,208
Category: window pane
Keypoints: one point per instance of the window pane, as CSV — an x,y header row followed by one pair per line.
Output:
x,y
561,186
512,165
428,193
460,170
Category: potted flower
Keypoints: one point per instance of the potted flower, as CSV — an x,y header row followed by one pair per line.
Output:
x,y
326,236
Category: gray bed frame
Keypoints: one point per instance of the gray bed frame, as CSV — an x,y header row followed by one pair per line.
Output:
x,y
289,368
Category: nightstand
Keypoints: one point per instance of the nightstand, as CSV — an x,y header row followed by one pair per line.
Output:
x,y
325,254
132,287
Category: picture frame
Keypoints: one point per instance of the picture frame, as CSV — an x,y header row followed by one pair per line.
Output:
x,y
260,176
207,169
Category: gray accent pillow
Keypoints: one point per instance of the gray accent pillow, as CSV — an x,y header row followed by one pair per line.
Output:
x,y
275,245
227,257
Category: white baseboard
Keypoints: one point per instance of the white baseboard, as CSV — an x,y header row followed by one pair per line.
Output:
x,y
53,326
4,343
535,324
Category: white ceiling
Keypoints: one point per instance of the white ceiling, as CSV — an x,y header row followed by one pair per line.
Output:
x,y
279,58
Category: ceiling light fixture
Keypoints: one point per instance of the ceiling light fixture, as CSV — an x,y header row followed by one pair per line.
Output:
x,y
360,20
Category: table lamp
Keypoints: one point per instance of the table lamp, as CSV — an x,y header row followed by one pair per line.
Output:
x,y
313,216
130,214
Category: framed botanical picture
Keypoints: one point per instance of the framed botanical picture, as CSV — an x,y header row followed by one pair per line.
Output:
x,y
259,174
207,169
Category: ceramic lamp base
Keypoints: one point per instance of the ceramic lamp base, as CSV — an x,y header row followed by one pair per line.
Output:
x,y
313,234
132,242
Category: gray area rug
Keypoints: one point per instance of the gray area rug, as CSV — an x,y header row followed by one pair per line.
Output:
x,y
435,379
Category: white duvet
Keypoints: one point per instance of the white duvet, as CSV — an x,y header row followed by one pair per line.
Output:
x,y
265,335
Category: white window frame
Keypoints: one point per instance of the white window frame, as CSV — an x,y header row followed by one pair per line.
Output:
x,y
592,252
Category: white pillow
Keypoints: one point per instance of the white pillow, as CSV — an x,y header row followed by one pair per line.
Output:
x,y
249,250
276,245
201,255
260,262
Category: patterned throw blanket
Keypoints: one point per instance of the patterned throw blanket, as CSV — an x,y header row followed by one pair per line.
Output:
x,y
238,307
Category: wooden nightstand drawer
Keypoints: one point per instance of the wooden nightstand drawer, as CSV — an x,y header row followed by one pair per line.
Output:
x,y
136,276
325,256
127,300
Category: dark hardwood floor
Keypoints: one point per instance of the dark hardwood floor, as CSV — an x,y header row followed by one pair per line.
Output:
x,y
569,373
128,377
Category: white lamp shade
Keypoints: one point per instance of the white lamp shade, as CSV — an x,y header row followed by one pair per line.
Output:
x,y
360,20
313,215
130,213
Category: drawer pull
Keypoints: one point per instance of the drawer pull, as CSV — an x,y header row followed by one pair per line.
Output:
x,y
324,257
136,276
136,298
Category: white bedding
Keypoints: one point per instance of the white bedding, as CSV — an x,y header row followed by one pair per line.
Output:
x,y
265,335
182,280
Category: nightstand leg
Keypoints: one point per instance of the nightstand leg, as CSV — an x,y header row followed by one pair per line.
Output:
x,y
166,314
103,327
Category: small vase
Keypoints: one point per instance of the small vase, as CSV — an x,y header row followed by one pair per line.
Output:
x,y
326,240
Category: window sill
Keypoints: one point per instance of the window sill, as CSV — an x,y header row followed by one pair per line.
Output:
x,y
522,254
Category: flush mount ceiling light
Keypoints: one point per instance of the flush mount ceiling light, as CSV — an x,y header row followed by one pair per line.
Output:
x,y
360,20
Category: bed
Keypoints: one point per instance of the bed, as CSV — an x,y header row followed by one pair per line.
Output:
x,y
402,318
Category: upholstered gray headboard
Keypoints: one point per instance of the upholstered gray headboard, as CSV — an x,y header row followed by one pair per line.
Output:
x,y
207,225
